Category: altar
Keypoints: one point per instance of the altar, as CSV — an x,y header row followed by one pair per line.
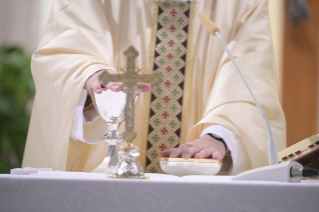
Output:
x,y
74,191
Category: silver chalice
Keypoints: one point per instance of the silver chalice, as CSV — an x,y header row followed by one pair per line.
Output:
x,y
111,107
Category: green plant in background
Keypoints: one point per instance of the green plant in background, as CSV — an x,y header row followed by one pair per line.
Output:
x,y
16,94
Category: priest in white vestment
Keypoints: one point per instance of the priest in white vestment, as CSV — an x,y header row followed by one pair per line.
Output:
x,y
201,97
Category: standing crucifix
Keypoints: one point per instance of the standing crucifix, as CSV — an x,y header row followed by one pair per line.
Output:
x,y
130,80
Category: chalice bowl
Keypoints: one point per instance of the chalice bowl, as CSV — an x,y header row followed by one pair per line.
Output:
x,y
111,107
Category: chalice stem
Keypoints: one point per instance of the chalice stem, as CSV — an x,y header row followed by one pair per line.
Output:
x,y
112,158
110,161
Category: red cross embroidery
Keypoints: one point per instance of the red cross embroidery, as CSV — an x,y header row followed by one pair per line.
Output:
x,y
166,99
169,69
167,83
173,12
170,56
165,115
171,42
172,28
162,147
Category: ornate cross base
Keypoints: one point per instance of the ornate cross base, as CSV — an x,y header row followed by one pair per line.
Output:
x,y
129,168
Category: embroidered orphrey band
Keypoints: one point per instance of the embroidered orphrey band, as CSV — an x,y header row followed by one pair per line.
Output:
x,y
166,104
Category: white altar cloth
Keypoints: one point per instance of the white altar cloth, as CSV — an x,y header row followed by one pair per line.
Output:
x,y
67,191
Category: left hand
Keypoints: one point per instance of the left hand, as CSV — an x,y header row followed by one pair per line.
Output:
x,y
204,147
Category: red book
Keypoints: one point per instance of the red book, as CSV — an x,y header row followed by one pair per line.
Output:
x,y
305,152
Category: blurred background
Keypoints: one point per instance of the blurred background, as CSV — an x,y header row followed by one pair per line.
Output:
x,y
295,30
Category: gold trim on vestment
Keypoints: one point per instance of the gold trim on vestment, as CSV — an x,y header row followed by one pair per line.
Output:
x,y
191,160
147,96
188,76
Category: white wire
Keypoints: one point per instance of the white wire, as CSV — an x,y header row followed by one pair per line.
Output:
x,y
272,150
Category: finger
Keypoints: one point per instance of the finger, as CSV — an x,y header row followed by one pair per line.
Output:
x,y
114,86
175,153
144,87
204,153
216,155
185,146
170,153
96,85
190,152
165,153
111,84
137,92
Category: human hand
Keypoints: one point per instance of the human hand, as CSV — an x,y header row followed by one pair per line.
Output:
x,y
94,83
204,147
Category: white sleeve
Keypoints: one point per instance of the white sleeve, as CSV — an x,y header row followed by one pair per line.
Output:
x,y
239,156
83,120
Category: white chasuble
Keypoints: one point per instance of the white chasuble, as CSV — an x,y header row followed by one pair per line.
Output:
x,y
201,86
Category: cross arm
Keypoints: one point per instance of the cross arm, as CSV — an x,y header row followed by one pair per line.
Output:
x,y
153,79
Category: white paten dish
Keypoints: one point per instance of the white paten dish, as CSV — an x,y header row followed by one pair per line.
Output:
x,y
192,166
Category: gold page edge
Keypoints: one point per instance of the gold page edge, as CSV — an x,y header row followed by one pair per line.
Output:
x,y
190,160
